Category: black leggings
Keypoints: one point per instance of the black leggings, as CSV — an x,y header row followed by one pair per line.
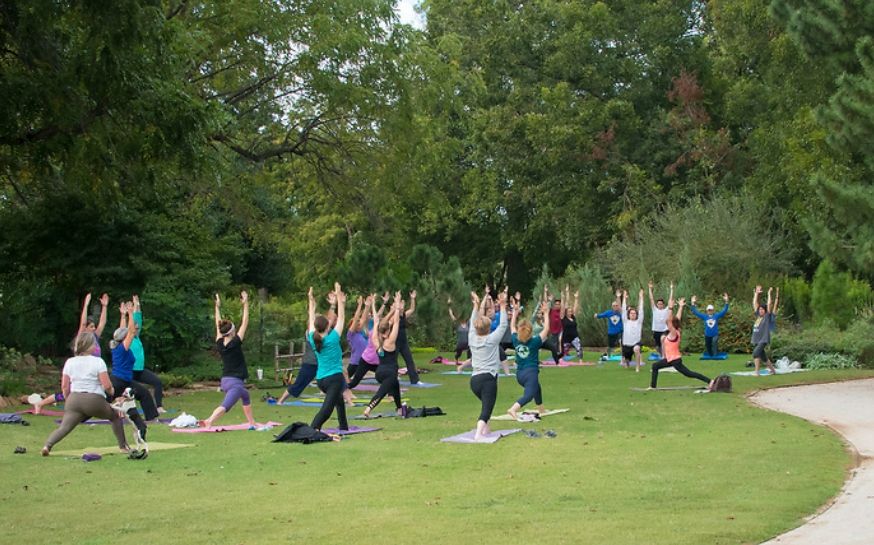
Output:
x,y
333,386
551,344
485,387
387,376
404,350
678,365
147,377
459,348
119,385
360,370
657,337
711,345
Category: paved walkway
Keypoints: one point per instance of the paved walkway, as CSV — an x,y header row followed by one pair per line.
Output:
x,y
848,408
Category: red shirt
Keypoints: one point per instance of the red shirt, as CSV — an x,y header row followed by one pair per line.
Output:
x,y
554,321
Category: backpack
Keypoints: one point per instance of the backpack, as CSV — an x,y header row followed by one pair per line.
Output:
x,y
301,433
722,383
423,412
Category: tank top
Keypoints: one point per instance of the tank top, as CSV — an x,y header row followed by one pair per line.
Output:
x,y
388,359
672,348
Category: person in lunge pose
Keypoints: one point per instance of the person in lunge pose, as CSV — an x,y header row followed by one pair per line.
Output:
x,y
369,360
385,337
330,376
485,360
86,385
229,342
631,331
141,374
570,336
711,324
614,325
671,346
462,328
659,317
404,344
527,347
122,375
762,327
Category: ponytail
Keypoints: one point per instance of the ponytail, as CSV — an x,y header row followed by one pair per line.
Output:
x,y
318,341
321,326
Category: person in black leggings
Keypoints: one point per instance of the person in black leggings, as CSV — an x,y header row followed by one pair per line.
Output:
x,y
385,337
671,349
330,375
403,344
369,359
484,346
461,331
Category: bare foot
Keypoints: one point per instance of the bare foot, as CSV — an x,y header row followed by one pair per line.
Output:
x,y
513,414
204,423
366,413
45,451
36,409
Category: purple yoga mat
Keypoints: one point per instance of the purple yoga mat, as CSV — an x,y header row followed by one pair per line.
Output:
x,y
103,421
231,427
468,437
370,388
44,412
352,430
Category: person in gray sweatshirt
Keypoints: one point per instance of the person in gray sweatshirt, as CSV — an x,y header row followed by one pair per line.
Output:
x,y
485,358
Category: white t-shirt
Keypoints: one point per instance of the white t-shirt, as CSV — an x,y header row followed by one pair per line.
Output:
x,y
84,373
660,319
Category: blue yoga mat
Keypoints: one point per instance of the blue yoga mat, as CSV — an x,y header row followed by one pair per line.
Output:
x,y
719,356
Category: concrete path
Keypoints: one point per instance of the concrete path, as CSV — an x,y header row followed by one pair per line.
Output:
x,y
848,408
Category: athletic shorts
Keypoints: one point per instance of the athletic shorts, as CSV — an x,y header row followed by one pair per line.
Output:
x,y
628,351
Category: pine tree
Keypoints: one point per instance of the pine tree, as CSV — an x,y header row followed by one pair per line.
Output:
x,y
839,33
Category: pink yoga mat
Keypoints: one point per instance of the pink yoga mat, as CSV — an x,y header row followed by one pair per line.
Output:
x,y
44,412
231,427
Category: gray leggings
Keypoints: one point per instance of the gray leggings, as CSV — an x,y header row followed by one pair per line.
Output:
x,y
78,408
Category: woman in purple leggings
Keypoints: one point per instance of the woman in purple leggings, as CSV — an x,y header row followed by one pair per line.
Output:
x,y
229,342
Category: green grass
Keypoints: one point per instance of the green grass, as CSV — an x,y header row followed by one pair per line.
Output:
x,y
626,468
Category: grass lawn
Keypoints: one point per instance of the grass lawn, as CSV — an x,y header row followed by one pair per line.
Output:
x,y
668,467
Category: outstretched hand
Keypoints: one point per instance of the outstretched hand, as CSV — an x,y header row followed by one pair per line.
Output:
x,y
725,297
244,297
104,299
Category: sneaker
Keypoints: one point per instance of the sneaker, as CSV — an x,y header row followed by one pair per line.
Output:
x,y
532,434
551,434
161,410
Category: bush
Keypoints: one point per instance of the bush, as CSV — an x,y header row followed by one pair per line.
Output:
x,y
837,296
174,381
831,360
795,300
797,343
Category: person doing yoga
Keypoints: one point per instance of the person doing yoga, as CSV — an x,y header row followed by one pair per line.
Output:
x,y
122,375
461,331
86,325
141,374
659,317
485,360
711,324
330,376
85,384
404,344
614,325
229,342
369,360
570,335
527,347
385,338
671,346
631,331
765,321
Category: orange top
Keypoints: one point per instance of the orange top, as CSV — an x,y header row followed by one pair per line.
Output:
x,y
672,347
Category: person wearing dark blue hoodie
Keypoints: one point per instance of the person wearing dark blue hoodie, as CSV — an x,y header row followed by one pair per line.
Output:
x,y
614,324
711,325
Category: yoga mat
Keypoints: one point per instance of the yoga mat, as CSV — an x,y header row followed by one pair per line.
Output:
x,y
614,357
370,388
351,431
468,437
654,357
719,356
375,415
547,413
231,427
114,450
421,384
669,388
567,364
468,373
44,412
767,372
103,421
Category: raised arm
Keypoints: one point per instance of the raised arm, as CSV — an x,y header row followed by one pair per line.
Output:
x,y
576,302
651,298
391,342
104,303
695,310
122,320
497,334
83,316
412,308
756,293
776,302
770,290
218,316
311,311
244,322
513,315
131,330
365,313
138,314
671,296
341,308
724,310
451,314
624,303
544,308
682,303
356,317
640,311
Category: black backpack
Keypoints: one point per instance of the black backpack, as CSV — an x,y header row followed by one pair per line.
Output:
x,y
423,412
722,383
301,433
